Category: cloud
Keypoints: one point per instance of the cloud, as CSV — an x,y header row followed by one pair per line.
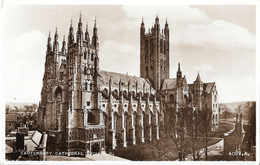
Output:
x,y
24,65
239,89
216,34
216,48
119,57
191,26
177,14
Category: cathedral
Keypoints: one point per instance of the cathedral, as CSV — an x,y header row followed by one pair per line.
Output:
x,y
86,109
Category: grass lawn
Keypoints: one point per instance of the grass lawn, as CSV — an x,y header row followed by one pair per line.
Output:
x,y
163,149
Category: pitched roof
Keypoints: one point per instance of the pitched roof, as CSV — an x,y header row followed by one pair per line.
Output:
x,y
8,149
208,87
11,117
116,77
169,84
36,137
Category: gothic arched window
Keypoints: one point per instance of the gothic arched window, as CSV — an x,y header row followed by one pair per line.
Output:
x,y
90,87
125,120
105,93
92,58
91,118
171,98
58,93
85,55
85,70
125,94
61,75
215,98
135,120
186,98
115,121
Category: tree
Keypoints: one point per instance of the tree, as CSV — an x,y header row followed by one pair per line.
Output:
x,y
252,124
206,117
194,136
179,130
227,114
189,132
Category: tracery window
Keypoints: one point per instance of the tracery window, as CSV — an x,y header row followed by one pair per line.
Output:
x,y
171,98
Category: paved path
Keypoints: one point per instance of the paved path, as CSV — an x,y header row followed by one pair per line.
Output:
x,y
105,157
96,157
213,150
66,158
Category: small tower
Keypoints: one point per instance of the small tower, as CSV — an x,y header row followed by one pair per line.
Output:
x,y
198,90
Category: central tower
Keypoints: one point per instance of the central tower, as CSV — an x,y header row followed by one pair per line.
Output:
x,y
154,53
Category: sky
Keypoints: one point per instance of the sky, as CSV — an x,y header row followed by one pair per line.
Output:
x,y
217,41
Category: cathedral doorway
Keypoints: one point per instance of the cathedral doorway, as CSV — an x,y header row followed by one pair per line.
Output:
x,y
95,148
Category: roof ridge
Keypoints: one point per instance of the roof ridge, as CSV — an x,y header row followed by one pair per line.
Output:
x,y
209,82
121,74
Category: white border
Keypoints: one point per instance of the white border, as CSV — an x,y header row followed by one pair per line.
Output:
x,y
128,2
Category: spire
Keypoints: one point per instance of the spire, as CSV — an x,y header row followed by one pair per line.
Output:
x,y
179,73
142,29
80,17
56,35
80,31
198,77
87,34
49,43
95,35
55,42
49,38
95,25
71,35
166,28
157,20
63,49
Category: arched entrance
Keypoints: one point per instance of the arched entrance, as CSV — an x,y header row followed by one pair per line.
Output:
x,y
95,148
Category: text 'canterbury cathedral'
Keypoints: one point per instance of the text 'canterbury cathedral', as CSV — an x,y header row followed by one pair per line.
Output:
x,y
86,109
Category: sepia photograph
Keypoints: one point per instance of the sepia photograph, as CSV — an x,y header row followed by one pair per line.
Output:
x,y
121,82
